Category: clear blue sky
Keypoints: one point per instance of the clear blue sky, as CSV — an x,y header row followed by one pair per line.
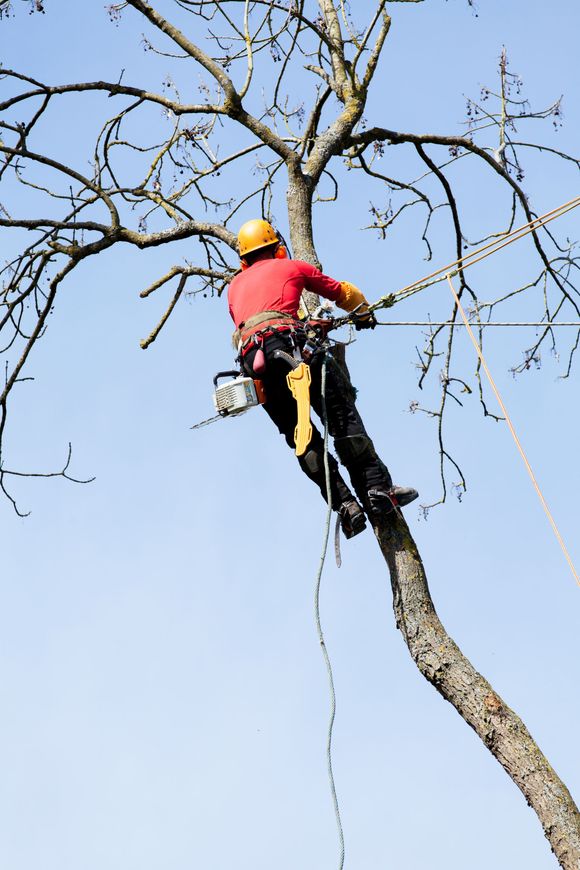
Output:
x,y
164,699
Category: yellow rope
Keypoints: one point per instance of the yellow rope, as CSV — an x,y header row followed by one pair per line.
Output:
x,y
512,430
477,255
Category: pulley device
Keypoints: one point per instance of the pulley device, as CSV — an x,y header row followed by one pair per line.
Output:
x,y
236,395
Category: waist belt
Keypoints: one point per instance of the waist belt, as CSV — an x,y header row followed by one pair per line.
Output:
x,y
262,324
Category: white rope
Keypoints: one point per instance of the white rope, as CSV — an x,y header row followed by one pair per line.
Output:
x,y
548,324
319,623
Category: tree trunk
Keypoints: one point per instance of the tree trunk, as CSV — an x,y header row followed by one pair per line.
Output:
x,y
442,663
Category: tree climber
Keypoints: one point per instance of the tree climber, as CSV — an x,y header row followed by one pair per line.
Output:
x,y
264,299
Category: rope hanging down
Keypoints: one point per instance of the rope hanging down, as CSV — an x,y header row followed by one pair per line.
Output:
x,y
479,352
319,623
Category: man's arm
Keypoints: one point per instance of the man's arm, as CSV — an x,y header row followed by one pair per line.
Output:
x,y
346,295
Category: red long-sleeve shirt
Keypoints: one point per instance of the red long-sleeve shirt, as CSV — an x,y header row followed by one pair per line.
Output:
x,y
276,285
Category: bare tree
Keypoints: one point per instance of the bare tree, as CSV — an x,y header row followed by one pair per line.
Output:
x,y
290,80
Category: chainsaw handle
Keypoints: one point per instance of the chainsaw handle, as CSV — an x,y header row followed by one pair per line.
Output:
x,y
219,375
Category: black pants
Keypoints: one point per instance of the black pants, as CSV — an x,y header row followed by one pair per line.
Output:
x,y
352,444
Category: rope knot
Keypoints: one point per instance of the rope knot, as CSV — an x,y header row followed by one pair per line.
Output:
x,y
386,301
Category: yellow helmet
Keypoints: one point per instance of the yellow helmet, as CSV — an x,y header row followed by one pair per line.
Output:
x,y
256,234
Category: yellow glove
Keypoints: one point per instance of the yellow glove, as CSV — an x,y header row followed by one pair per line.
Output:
x,y
350,298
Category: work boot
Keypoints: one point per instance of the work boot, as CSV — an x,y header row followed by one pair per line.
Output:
x,y
382,500
352,518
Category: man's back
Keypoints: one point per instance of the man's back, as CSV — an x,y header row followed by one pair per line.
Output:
x,y
276,285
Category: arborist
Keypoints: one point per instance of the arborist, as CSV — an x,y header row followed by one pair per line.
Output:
x,y
264,299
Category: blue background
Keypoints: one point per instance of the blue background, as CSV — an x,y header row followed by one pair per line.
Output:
x,y
164,698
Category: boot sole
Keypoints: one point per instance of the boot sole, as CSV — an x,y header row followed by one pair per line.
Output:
x,y
358,524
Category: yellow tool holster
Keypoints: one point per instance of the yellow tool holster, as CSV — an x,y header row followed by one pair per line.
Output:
x,y
298,381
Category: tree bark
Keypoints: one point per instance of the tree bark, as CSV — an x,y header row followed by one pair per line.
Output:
x,y
299,202
443,664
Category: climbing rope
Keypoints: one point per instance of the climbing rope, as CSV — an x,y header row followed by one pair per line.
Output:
x,y
389,299
319,622
549,324
479,352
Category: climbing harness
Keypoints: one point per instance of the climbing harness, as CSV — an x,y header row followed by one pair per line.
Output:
x,y
253,330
